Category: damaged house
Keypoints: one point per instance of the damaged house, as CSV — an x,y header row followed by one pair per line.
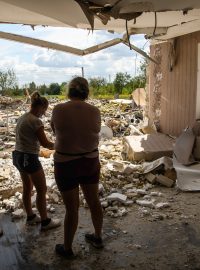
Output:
x,y
135,194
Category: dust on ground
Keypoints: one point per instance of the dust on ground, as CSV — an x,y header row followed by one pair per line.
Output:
x,y
131,242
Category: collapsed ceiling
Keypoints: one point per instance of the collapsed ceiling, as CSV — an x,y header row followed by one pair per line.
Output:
x,y
157,19
142,16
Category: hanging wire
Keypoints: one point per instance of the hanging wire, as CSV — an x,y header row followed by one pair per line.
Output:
x,y
154,31
128,36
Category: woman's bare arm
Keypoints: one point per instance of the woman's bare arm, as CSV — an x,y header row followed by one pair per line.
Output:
x,y
43,139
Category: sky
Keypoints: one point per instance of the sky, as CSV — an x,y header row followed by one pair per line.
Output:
x,y
31,63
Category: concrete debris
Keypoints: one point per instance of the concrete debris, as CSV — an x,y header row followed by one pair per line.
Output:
x,y
54,197
106,132
104,204
158,216
19,213
146,203
117,197
101,188
155,193
131,168
162,205
137,246
165,181
123,182
147,147
144,211
141,191
151,178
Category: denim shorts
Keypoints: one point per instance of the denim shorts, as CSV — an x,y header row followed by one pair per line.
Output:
x,y
25,162
70,174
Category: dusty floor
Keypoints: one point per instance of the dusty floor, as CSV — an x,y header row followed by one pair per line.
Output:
x,y
131,242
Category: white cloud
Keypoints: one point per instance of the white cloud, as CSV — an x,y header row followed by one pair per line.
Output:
x,y
45,66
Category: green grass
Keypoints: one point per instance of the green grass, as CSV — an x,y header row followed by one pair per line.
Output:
x,y
63,97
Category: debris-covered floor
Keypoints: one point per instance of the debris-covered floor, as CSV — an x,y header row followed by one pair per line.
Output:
x,y
148,222
131,242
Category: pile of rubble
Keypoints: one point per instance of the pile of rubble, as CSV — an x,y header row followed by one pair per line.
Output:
x,y
122,184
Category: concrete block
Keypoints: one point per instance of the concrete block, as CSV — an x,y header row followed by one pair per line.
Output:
x,y
117,197
128,202
101,188
104,204
150,177
18,213
165,181
146,203
162,205
141,191
147,147
156,194
54,197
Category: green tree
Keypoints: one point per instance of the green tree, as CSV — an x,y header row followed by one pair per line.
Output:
x,y
8,81
63,88
32,87
97,85
54,89
17,91
120,81
43,89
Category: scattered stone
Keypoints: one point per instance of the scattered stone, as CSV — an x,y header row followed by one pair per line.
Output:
x,y
137,246
165,181
121,184
156,194
101,188
132,168
158,216
141,191
54,197
151,178
52,210
104,204
19,213
144,212
128,202
117,197
146,203
162,205
128,186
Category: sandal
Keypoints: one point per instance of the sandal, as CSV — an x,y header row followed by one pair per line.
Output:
x,y
60,250
93,240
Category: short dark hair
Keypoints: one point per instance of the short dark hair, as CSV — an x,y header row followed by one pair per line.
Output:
x,y
78,88
38,101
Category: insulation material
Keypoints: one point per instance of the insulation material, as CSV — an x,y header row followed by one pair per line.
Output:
x,y
147,147
188,177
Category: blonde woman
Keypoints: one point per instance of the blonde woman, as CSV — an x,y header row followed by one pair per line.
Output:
x,y
29,136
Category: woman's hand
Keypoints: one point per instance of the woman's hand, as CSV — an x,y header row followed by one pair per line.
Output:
x,y
43,139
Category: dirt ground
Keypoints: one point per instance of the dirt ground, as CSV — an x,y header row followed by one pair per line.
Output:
x,y
131,242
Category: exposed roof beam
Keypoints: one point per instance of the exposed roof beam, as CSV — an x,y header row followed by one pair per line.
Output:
x,y
68,49
40,43
148,31
181,29
138,50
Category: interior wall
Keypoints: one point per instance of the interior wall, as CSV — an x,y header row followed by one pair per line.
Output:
x,y
173,94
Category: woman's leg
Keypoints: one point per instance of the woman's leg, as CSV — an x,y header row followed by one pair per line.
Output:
x,y
71,201
90,192
39,181
27,190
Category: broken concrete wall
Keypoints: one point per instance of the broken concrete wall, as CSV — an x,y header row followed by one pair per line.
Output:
x,y
173,91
